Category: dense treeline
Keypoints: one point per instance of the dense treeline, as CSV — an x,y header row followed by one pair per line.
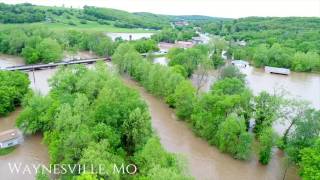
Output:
x,y
145,45
13,87
278,56
171,35
291,42
228,95
28,13
222,115
38,44
190,58
20,13
91,118
124,19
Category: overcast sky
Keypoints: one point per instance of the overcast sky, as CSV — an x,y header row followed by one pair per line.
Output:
x,y
216,8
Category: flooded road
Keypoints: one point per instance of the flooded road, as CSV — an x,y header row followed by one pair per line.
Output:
x,y
207,162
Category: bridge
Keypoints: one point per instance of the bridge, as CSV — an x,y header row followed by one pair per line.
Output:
x,y
52,65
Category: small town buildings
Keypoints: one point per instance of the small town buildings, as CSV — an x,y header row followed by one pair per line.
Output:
x,y
224,55
165,47
199,40
240,63
184,44
241,43
181,23
11,137
276,70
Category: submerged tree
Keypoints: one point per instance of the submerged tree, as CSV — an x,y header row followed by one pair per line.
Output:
x,y
233,138
266,111
267,140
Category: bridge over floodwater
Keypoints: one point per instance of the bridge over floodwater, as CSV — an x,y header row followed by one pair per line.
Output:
x,y
52,65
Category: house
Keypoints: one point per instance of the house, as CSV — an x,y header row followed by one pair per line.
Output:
x,y
181,23
10,138
197,40
240,63
241,43
276,70
165,47
184,44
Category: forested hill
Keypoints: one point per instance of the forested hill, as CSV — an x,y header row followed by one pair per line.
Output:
x,y
28,13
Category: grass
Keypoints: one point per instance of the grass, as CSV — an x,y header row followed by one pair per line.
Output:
x,y
90,26
6,151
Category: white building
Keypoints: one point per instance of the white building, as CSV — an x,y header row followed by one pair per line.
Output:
x,y
10,138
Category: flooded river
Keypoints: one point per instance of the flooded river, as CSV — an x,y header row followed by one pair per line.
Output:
x,y
205,162
305,86
32,151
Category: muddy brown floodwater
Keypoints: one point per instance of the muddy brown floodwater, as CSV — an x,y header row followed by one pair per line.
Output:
x,y
204,162
207,162
31,152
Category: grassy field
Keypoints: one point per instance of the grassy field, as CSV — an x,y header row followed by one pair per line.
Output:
x,y
6,151
92,26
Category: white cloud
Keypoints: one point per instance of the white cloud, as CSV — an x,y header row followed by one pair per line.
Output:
x,y
217,8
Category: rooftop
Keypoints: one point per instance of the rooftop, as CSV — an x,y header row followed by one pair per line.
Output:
x,y
9,135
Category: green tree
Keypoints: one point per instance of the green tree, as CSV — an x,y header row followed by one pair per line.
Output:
x,y
304,134
231,72
137,129
31,55
42,175
266,111
185,96
98,155
233,138
267,141
180,70
37,114
13,87
310,160
49,50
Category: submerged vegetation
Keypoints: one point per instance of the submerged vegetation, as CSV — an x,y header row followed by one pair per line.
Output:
x,y
6,151
13,87
271,41
38,44
90,117
222,115
227,95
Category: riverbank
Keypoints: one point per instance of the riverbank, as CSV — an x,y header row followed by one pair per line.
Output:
x,y
207,162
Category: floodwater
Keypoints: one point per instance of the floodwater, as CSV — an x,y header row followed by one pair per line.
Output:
x,y
9,60
126,36
31,153
204,161
304,86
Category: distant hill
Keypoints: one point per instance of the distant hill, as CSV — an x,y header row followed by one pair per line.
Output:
x,y
28,13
